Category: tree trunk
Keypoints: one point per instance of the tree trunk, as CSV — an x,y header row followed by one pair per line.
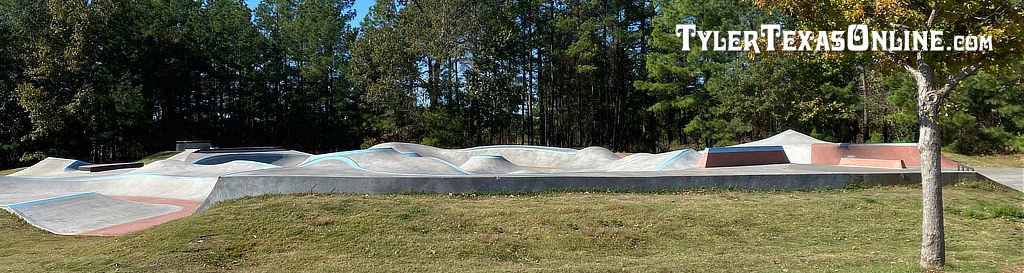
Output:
x,y
862,134
933,246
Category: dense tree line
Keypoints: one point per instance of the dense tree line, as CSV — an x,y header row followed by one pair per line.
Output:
x,y
109,80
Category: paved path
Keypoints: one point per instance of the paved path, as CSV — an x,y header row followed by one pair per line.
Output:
x,y
1013,178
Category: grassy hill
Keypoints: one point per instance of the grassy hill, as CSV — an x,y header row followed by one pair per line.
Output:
x,y
863,230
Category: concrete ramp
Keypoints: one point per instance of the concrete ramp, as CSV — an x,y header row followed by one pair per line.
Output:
x,y
187,188
50,166
78,213
796,144
742,156
833,153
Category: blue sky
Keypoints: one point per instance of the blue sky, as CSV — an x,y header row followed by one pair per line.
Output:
x,y
361,6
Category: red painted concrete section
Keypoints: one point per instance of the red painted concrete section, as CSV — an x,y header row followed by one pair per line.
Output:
x,y
874,163
833,153
742,158
187,208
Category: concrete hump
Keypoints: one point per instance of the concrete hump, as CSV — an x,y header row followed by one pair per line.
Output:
x,y
675,160
491,164
546,159
788,137
181,168
386,161
585,159
537,157
51,166
742,156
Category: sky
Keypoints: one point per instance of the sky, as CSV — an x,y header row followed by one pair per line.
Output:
x,y
361,6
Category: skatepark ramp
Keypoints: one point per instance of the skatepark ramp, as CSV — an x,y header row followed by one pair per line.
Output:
x,y
55,195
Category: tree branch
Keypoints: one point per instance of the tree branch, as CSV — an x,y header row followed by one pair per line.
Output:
x,y
899,60
417,3
899,26
931,17
959,77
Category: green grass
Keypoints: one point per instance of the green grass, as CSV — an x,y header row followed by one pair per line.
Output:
x,y
862,230
158,156
988,161
7,172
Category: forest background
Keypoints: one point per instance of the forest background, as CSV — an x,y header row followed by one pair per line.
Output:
x,y
112,80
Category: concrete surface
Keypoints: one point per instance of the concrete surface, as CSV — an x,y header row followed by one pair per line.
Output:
x,y
1013,178
57,197
77,213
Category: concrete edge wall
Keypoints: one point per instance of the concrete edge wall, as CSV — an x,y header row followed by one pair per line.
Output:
x,y
242,186
892,179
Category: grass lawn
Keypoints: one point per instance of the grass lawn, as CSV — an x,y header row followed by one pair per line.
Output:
x,y
861,230
7,172
989,161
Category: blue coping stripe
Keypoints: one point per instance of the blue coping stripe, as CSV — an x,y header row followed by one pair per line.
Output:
x,y
40,201
412,154
449,164
76,164
317,158
201,160
744,149
487,156
533,148
85,179
673,159
877,144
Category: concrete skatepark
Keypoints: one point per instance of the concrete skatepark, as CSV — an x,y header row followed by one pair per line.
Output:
x,y
71,197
